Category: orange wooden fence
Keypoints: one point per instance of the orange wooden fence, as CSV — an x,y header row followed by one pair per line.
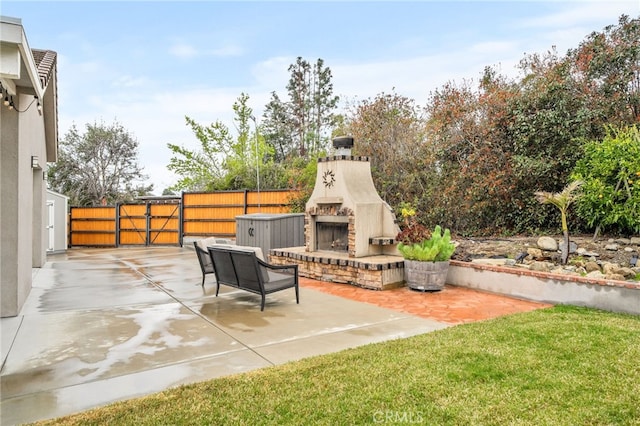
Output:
x,y
92,226
165,221
214,213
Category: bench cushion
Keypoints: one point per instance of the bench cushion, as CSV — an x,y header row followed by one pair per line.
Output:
x,y
258,251
206,242
277,281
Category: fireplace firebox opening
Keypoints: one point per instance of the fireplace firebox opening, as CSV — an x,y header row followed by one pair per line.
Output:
x,y
332,236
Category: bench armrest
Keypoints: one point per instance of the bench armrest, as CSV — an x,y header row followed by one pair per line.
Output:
x,y
291,269
270,266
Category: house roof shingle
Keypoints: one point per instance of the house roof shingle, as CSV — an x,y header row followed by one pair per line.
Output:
x,y
45,61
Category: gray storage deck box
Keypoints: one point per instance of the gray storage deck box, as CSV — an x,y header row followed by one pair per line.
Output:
x,y
270,230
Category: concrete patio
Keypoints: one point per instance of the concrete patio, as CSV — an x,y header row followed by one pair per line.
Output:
x,y
103,325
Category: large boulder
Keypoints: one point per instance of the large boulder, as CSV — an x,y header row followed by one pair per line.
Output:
x,y
547,244
614,271
625,272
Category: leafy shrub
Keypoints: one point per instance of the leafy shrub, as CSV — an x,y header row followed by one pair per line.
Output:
x,y
610,170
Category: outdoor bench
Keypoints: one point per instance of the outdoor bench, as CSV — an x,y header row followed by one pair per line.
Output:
x,y
242,268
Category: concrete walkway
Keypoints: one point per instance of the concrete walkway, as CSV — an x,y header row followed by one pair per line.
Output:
x,y
103,325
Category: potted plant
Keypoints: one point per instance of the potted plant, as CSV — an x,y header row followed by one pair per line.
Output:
x,y
426,253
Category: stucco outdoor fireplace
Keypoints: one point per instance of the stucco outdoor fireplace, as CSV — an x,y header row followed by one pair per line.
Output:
x,y
345,212
349,228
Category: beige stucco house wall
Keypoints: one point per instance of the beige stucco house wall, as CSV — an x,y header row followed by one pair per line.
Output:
x,y
28,140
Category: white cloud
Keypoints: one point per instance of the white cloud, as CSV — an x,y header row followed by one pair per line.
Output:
x,y
416,77
89,67
272,72
183,50
583,13
157,119
153,116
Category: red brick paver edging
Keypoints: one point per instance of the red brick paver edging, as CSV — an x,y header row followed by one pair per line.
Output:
x,y
453,305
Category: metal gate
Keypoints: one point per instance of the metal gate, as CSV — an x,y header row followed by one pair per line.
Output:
x,y
149,224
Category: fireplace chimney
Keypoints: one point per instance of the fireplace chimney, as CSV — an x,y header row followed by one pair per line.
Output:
x,y
343,145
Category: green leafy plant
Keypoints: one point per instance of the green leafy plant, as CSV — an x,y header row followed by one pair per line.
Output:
x,y
416,242
610,170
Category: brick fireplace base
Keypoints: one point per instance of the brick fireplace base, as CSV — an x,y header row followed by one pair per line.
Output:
x,y
373,272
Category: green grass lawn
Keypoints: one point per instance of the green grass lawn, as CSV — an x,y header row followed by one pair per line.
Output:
x,y
563,365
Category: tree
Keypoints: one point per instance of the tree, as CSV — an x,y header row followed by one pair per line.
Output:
x,y
608,64
390,129
302,125
323,103
223,162
472,189
564,101
277,128
201,170
476,156
461,139
548,119
98,167
299,89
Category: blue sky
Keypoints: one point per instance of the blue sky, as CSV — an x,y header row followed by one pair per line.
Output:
x,y
148,64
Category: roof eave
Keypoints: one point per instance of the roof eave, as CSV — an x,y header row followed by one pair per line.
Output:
x,y
13,33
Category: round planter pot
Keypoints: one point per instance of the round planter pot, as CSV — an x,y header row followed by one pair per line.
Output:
x,y
425,276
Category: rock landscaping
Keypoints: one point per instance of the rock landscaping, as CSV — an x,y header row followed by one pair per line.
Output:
x,y
605,258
